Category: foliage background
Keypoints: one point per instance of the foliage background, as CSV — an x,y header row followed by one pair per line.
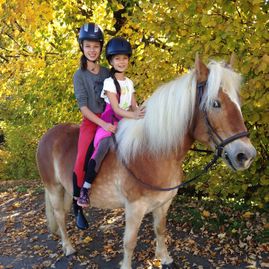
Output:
x,y
39,54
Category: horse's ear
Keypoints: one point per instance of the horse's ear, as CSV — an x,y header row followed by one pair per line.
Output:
x,y
200,69
232,60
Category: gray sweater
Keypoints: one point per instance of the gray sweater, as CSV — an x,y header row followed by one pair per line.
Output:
x,y
88,87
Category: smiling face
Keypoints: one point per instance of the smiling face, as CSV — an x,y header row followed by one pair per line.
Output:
x,y
120,62
91,49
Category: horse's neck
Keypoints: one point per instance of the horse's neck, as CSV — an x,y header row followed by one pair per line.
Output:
x,y
154,170
184,146
160,170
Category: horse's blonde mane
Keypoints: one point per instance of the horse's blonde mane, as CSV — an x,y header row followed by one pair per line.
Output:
x,y
169,112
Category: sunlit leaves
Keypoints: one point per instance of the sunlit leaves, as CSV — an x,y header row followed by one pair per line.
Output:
x,y
39,54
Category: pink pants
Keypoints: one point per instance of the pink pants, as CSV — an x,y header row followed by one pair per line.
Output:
x,y
108,116
101,144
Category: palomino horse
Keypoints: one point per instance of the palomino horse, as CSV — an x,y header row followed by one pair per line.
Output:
x,y
202,105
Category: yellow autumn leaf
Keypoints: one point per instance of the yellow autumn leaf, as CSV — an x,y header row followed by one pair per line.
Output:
x,y
262,66
87,240
256,2
156,263
221,235
247,215
265,58
120,6
17,204
206,213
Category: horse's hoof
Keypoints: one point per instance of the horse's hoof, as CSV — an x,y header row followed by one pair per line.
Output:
x,y
170,266
69,250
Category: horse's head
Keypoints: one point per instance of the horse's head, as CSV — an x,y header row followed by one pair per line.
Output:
x,y
219,122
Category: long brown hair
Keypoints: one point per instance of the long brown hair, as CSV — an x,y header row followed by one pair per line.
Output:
x,y
83,62
112,75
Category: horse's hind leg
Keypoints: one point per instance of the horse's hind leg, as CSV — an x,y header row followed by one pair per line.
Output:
x,y
51,221
60,204
134,214
159,215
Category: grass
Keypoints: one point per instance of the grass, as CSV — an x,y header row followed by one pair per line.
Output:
x,y
234,218
21,189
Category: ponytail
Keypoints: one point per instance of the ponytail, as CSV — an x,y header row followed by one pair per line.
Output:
x,y
83,62
117,85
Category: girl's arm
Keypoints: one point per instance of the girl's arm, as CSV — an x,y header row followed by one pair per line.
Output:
x,y
137,114
134,105
87,113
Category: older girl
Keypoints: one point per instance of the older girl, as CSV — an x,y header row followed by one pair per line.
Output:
x,y
88,84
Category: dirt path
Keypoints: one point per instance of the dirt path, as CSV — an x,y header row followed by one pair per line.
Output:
x,y
26,243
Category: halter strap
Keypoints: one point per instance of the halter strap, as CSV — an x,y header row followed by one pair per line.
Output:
x,y
223,142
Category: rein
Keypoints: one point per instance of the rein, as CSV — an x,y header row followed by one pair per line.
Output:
x,y
219,147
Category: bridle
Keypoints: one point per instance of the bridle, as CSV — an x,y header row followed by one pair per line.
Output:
x,y
216,138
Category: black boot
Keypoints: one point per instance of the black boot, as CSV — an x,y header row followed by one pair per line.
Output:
x,y
81,221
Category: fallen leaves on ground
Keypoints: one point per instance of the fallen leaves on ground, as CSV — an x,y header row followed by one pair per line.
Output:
x,y
198,236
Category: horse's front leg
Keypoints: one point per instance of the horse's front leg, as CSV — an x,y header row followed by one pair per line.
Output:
x,y
159,215
134,214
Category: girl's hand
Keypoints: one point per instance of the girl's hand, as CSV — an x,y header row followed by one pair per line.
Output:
x,y
139,113
110,127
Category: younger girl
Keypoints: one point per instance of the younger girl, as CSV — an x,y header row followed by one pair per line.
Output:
x,y
118,93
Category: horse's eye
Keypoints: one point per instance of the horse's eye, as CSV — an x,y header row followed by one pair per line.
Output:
x,y
216,104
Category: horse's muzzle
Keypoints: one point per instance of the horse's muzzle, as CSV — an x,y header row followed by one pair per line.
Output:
x,y
239,155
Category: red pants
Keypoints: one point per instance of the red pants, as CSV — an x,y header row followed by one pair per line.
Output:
x,y
86,135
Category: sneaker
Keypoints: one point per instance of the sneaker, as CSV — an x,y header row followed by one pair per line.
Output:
x,y
83,199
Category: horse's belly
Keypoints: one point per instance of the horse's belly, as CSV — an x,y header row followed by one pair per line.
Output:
x,y
105,194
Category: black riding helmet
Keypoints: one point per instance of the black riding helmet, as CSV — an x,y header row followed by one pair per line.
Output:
x,y
118,45
92,32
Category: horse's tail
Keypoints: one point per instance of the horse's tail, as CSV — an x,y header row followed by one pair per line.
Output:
x,y
56,177
55,169
51,221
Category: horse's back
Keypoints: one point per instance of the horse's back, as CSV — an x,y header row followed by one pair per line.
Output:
x,y
56,154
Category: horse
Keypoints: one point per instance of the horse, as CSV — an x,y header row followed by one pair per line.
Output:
x,y
202,105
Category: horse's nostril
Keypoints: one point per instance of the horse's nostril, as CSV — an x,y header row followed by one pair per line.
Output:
x,y
241,157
